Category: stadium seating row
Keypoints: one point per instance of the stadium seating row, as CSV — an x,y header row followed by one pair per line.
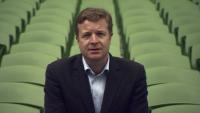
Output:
x,y
36,32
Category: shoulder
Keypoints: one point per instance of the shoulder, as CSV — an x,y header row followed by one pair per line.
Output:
x,y
65,63
127,64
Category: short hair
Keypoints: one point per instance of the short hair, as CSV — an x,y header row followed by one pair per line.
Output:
x,y
94,15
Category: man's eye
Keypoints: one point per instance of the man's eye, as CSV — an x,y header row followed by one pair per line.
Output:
x,y
86,35
100,34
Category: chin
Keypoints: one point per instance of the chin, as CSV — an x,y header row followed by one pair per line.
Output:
x,y
95,57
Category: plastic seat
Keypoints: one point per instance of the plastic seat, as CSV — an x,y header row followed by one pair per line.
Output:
x,y
16,108
24,6
74,50
22,93
5,41
115,51
195,56
189,11
63,4
185,30
136,4
144,27
44,37
161,75
13,20
139,12
178,109
27,58
151,36
54,12
47,26
2,51
44,48
163,59
115,41
31,3
51,19
189,41
16,12
183,20
8,30
132,19
154,47
166,7
23,73
173,94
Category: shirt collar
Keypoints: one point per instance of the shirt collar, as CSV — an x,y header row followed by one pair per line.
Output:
x,y
87,67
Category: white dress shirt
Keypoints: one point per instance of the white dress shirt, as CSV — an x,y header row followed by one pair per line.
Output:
x,y
97,84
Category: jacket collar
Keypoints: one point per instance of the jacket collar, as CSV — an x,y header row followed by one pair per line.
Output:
x,y
112,84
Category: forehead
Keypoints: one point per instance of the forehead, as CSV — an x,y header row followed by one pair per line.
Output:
x,y
100,25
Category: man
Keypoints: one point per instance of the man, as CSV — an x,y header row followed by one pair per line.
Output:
x,y
95,81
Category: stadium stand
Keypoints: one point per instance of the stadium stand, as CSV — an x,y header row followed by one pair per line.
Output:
x,y
14,93
178,109
163,35
173,94
166,74
23,74
16,108
195,56
27,58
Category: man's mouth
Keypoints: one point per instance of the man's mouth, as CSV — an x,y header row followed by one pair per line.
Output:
x,y
94,50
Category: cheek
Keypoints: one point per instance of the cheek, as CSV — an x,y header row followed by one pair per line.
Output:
x,y
82,45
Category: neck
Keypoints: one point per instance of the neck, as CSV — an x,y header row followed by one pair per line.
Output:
x,y
97,66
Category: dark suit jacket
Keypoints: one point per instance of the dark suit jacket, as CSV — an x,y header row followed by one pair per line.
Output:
x,y
67,88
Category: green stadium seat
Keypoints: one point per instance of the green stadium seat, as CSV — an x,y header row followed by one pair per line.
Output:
x,y
151,36
139,12
5,41
13,20
54,12
178,109
195,56
22,93
189,41
17,108
144,27
27,58
16,12
173,94
2,51
8,30
44,37
165,74
23,74
163,59
154,47
48,26
40,47
32,3
185,30
74,50
183,20
132,19
51,19
24,6
115,51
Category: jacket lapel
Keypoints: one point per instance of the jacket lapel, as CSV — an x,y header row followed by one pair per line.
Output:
x,y
83,85
112,85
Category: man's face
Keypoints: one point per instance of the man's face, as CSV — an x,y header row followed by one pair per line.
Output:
x,y
94,39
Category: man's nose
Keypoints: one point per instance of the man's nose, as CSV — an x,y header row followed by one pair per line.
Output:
x,y
94,38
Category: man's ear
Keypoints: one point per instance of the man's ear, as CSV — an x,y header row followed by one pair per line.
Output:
x,y
76,38
111,34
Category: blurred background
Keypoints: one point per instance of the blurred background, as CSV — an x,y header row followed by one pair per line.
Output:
x,y
163,35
